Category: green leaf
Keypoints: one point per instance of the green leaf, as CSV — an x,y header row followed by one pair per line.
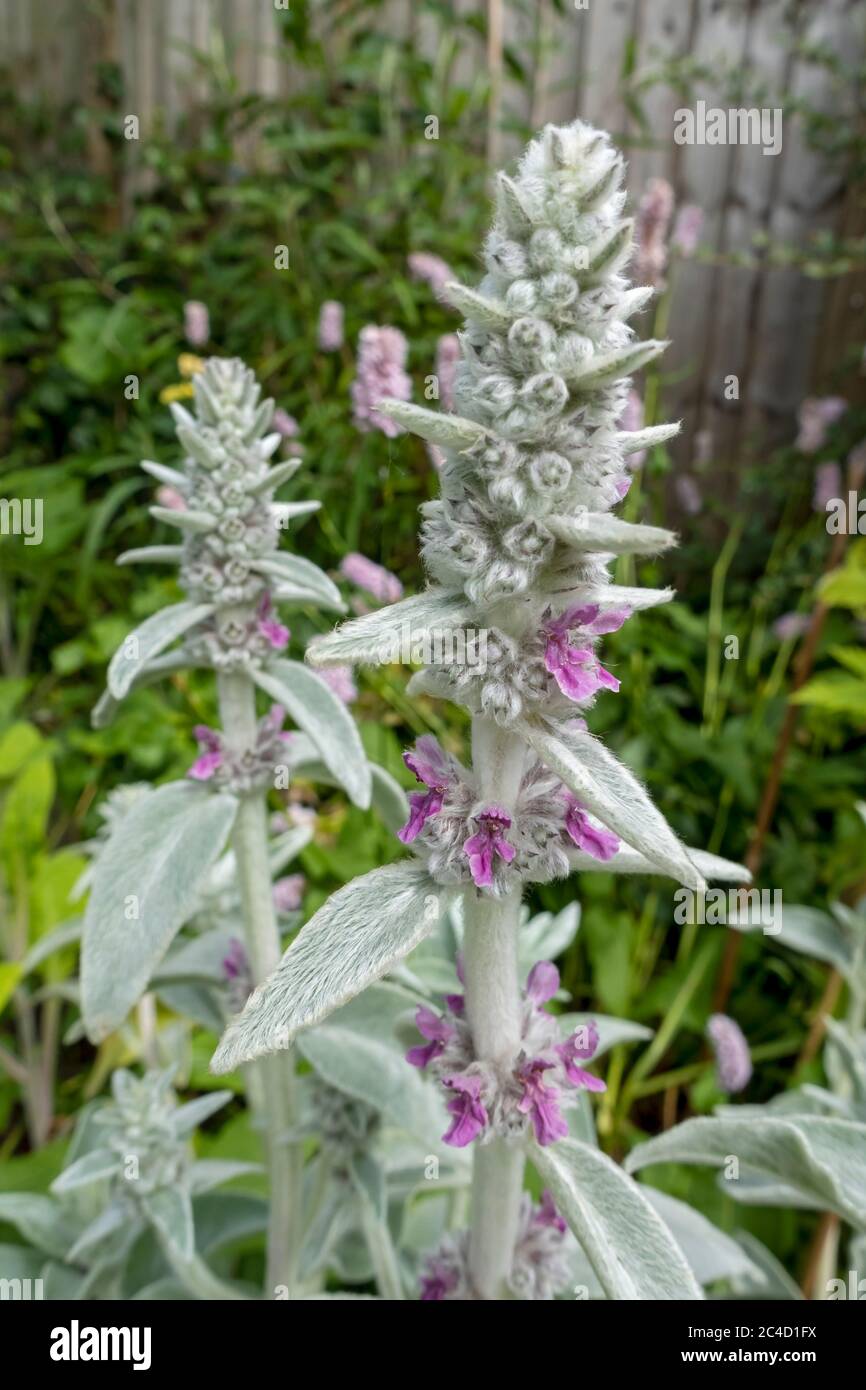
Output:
x,y
148,640
324,719
360,933
10,974
145,886
169,1211
628,1245
836,692
820,1159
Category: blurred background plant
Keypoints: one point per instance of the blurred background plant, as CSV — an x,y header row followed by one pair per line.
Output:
x,y
285,165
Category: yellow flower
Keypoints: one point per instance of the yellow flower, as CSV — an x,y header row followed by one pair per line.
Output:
x,y
190,365
182,392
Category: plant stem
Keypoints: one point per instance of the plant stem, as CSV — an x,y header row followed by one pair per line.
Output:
x,y
272,1092
198,1279
493,1009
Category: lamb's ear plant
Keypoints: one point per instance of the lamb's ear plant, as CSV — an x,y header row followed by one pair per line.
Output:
x,y
517,550
119,1221
806,1147
152,873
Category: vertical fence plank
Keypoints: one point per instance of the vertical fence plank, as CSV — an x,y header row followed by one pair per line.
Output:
x,y
703,176
606,33
810,199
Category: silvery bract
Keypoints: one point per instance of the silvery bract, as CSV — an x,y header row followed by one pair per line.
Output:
x,y
517,551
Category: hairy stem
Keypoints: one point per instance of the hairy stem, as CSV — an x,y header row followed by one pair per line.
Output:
x,y
272,1088
493,1009
198,1279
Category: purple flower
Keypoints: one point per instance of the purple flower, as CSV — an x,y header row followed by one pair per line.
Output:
x,y
489,841
815,416
623,485
235,960
210,753
288,892
269,627
432,767
576,670
580,1047
790,626
540,1102
435,455
687,229
601,844
447,357
330,330
828,485
431,269
438,1280
733,1059
438,1031
470,1117
196,322
545,1214
237,973
374,579
542,982
382,353
339,679
285,424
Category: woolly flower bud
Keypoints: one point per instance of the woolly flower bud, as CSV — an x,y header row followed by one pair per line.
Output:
x,y
550,474
733,1059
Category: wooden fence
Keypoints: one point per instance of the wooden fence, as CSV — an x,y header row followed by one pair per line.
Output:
x,y
780,333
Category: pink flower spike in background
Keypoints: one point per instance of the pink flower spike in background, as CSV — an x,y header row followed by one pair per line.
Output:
x,y
653,220
339,679
733,1059
285,424
288,893
687,229
815,416
431,269
828,485
330,333
382,353
374,579
196,322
